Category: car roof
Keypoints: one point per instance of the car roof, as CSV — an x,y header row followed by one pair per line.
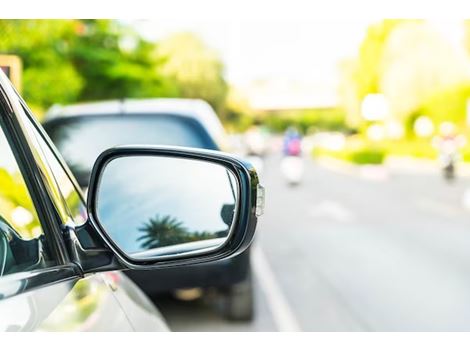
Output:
x,y
193,108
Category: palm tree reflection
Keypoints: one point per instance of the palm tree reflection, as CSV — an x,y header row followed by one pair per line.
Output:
x,y
161,231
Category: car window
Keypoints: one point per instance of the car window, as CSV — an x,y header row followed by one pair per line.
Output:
x,y
22,241
81,139
68,194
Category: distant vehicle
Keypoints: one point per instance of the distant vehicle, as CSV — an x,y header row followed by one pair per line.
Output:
x,y
60,257
292,165
81,132
256,141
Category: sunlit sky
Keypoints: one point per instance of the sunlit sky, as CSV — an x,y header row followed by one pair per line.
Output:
x,y
295,61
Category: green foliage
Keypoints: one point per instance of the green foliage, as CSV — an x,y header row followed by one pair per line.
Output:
x,y
416,148
448,105
110,69
359,150
239,116
71,60
81,60
44,86
367,155
369,66
43,46
361,154
196,70
415,67
307,120
235,122
466,154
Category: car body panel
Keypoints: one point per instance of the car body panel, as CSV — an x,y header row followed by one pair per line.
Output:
x,y
74,305
99,302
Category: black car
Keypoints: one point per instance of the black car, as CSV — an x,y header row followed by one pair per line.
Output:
x,y
81,132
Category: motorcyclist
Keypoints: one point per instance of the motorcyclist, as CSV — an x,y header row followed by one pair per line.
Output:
x,y
292,142
448,144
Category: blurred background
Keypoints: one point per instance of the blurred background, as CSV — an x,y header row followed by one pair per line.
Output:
x,y
360,132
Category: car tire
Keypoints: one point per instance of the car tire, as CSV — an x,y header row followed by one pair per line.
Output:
x,y
237,301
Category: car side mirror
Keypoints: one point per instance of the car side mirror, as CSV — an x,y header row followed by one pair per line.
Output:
x,y
154,205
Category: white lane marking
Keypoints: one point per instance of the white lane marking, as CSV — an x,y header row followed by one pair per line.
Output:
x,y
332,210
282,313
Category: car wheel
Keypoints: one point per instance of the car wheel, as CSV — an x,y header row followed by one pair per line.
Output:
x,y
237,301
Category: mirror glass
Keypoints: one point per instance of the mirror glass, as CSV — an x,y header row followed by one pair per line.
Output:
x,y
159,206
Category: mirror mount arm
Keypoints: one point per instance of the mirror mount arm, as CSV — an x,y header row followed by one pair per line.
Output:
x,y
93,258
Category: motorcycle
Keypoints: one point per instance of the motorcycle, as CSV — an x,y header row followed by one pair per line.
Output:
x,y
292,168
448,165
448,157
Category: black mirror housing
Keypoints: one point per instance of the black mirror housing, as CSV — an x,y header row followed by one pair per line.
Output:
x,y
249,205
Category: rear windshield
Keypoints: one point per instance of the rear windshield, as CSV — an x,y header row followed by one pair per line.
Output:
x,y
81,139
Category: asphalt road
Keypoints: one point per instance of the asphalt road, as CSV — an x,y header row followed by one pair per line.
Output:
x,y
351,250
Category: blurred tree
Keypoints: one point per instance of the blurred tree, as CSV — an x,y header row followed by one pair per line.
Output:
x,y
361,75
239,115
421,66
48,76
369,63
196,69
70,60
447,105
413,65
348,91
115,62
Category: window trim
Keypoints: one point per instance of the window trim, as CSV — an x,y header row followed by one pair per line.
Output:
x,y
20,144
53,149
21,147
38,129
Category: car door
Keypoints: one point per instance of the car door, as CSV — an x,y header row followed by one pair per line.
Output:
x,y
139,311
40,287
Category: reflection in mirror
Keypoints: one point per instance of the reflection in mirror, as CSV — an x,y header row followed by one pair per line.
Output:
x,y
154,206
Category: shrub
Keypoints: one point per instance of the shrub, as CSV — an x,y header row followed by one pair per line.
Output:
x,y
367,155
361,154
356,150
